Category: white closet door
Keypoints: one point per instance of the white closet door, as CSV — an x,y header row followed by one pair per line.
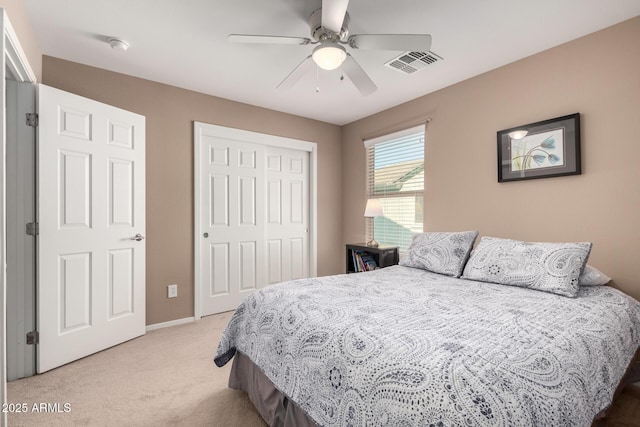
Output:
x,y
91,207
231,222
287,214
252,215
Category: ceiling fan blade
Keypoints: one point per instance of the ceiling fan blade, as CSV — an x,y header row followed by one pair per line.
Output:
x,y
358,77
333,12
257,39
402,42
294,76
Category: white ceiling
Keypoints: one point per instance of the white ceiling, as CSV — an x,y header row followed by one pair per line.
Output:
x,y
184,43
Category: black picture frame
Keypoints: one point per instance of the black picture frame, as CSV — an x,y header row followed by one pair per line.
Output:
x,y
550,148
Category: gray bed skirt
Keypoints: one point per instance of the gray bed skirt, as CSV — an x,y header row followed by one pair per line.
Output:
x,y
273,406
278,411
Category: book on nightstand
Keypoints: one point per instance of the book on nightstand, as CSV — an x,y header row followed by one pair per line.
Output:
x,y
361,257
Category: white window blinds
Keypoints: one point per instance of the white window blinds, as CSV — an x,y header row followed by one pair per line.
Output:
x,y
395,175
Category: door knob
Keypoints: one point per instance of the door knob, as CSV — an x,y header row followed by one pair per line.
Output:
x,y
138,237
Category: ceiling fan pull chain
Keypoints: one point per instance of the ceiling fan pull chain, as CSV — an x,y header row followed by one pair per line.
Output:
x,y
317,80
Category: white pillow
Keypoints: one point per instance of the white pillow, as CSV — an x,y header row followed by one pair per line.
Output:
x,y
543,266
591,276
440,252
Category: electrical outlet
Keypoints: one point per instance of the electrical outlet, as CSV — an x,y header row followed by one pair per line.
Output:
x,y
172,291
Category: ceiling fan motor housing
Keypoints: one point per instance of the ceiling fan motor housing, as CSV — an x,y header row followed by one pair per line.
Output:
x,y
319,33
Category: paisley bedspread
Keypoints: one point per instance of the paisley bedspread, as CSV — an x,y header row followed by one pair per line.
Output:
x,y
405,347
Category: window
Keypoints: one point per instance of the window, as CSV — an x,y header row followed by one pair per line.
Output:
x,y
395,175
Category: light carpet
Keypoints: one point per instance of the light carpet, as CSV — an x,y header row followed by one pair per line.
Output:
x,y
164,378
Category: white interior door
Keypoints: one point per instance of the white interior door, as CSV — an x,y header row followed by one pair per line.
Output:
x,y
252,214
232,228
287,214
91,207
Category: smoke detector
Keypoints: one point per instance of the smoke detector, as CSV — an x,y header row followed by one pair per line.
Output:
x,y
118,44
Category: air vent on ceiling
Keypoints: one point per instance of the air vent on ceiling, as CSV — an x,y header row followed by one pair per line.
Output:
x,y
410,62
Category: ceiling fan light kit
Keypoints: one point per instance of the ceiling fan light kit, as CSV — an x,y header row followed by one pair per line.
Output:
x,y
329,55
329,28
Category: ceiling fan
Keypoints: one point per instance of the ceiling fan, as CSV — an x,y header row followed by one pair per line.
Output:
x,y
330,31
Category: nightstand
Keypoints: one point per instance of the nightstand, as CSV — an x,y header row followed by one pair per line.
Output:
x,y
360,257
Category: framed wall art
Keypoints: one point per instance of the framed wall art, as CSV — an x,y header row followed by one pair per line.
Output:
x,y
540,150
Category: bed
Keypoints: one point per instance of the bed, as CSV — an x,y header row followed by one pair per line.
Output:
x,y
407,346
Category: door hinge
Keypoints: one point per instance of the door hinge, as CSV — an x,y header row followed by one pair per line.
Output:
x,y
33,337
32,119
33,229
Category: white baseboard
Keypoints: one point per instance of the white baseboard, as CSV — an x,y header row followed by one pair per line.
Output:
x,y
170,323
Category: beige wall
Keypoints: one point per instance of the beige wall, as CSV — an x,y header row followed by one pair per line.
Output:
x,y
597,76
170,113
18,16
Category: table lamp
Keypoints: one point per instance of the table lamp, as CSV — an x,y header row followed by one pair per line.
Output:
x,y
373,209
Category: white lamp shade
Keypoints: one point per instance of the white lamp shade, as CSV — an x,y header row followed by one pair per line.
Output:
x,y
373,209
329,56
